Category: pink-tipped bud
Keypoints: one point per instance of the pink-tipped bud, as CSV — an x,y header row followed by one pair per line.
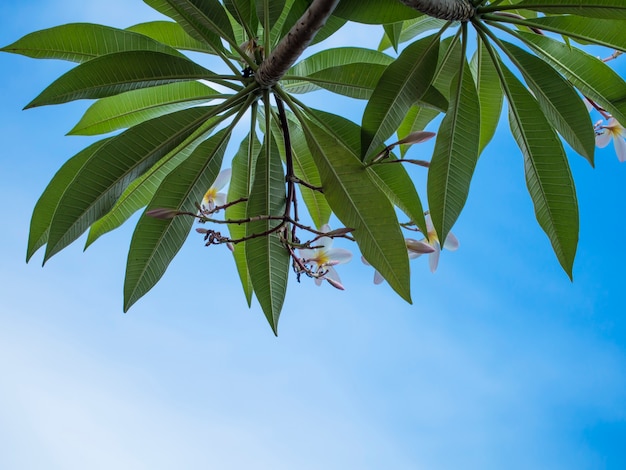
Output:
x,y
230,246
161,213
335,284
203,231
417,246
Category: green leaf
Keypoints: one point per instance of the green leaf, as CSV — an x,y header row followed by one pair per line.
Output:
x,y
49,200
558,100
396,183
172,34
192,16
155,242
116,73
404,82
244,13
267,257
240,184
295,9
328,59
270,11
490,94
548,176
610,9
80,42
413,28
304,169
392,32
353,80
455,154
132,107
357,200
609,33
108,172
417,118
374,11
590,75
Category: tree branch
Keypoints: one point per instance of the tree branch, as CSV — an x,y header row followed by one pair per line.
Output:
x,y
294,43
451,10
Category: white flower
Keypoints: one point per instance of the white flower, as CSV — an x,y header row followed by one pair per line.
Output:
x,y
451,243
616,131
212,197
415,249
322,259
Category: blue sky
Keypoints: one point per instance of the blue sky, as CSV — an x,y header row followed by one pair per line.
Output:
x,y
501,362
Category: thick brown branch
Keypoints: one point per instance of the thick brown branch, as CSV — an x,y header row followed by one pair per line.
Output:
x,y
451,10
294,43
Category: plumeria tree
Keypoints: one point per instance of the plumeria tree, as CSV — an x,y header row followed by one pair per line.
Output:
x,y
169,120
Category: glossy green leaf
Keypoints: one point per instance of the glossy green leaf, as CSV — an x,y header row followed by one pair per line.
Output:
x,y
49,200
155,242
357,200
132,107
270,11
240,184
558,100
490,94
374,11
328,59
80,42
172,34
455,154
112,168
548,176
267,257
611,9
404,82
116,73
589,74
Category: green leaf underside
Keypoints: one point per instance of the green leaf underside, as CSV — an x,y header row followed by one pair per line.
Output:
x,y
172,34
558,100
298,8
413,28
455,155
490,95
354,80
357,200
155,242
374,11
194,17
328,59
392,33
548,176
116,73
611,9
417,118
244,13
270,11
239,187
133,107
589,74
108,172
267,257
404,82
80,42
49,200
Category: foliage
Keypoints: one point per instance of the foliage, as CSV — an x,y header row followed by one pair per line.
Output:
x,y
175,117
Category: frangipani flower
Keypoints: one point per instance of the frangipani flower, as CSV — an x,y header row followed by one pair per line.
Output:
x,y
415,249
616,131
212,197
322,259
451,243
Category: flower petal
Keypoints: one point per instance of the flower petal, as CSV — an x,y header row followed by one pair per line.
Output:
x,y
620,148
418,246
339,255
602,140
220,199
222,179
451,243
433,259
378,278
